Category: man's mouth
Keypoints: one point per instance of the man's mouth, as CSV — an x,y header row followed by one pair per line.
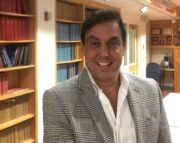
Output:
x,y
104,63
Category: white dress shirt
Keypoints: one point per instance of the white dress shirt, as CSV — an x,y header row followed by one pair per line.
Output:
x,y
122,124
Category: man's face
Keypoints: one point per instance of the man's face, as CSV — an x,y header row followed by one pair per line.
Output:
x,y
103,50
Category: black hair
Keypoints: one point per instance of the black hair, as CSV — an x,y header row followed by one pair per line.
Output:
x,y
103,16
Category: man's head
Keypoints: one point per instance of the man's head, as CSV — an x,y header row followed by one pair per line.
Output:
x,y
101,16
104,38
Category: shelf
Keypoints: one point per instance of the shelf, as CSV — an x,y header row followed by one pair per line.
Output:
x,y
16,121
28,141
16,93
161,35
168,69
78,41
14,42
68,21
161,46
176,34
15,14
69,62
16,68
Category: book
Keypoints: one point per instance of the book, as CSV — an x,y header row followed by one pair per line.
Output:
x,y
6,57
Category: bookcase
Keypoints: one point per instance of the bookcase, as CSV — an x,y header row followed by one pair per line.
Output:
x,y
161,41
176,42
18,115
69,17
165,41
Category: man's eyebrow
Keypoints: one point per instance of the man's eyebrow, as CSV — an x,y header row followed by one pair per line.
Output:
x,y
114,38
92,38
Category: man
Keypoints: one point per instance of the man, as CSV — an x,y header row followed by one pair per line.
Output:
x,y
102,104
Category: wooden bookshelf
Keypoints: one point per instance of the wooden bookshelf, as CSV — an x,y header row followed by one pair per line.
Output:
x,y
70,61
176,42
165,40
69,16
18,101
16,121
29,141
16,68
14,42
16,93
15,14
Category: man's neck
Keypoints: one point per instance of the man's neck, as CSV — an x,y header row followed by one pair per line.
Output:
x,y
110,89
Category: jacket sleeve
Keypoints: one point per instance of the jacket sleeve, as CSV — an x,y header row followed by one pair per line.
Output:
x,y
164,132
57,128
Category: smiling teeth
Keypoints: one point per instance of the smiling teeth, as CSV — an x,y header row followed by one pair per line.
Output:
x,y
103,64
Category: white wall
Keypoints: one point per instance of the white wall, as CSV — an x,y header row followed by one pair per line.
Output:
x,y
45,54
132,18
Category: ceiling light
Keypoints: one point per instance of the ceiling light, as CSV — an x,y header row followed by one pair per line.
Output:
x,y
144,9
149,1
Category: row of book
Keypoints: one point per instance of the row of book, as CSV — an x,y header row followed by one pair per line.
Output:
x,y
17,134
14,28
66,71
68,11
13,108
15,55
3,83
14,6
66,52
68,32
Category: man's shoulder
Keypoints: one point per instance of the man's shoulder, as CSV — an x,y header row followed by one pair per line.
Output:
x,y
138,79
72,82
142,82
70,85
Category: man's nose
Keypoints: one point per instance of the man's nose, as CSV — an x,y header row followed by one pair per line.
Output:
x,y
104,52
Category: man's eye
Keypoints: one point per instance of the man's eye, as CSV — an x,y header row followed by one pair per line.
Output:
x,y
113,44
94,43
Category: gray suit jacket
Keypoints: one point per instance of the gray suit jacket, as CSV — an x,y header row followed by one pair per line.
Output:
x,y
73,114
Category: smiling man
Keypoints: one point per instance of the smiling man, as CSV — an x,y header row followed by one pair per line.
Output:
x,y
102,104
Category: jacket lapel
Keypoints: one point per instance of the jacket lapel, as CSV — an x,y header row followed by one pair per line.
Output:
x,y
136,104
94,107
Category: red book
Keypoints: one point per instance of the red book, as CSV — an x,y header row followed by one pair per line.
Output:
x,y
0,84
3,28
25,7
23,32
7,35
6,5
6,82
0,27
27,29
18,6
13,6
16,28
2,5
11,27
20,28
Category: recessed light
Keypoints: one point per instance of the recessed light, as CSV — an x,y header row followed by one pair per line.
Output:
x,y
144,9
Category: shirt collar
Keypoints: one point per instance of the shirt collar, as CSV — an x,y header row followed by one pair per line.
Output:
x,y
123,78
